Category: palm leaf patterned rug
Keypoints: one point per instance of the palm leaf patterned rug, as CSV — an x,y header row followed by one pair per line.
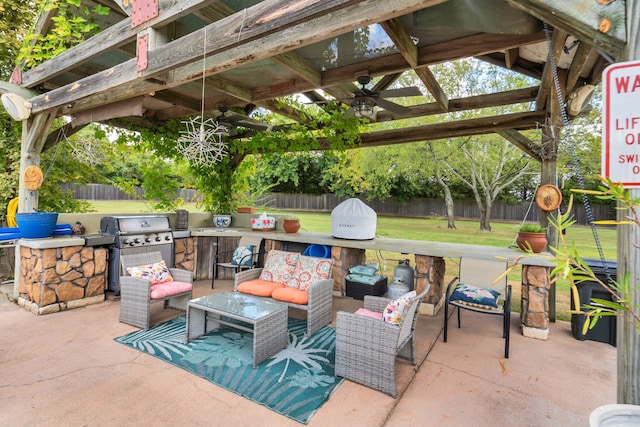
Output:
x,y
295,382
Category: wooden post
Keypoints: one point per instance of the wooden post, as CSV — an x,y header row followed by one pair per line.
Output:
x,y
627,337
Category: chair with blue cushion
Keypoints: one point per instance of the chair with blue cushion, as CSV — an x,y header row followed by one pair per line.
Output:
x,y
481,287
243,257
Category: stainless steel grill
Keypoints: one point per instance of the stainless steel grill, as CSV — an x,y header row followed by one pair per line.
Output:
x,y
136,234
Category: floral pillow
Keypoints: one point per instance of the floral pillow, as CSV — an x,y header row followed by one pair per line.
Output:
x,y
394,311
243,255
475,297
308,271
279,266
155,273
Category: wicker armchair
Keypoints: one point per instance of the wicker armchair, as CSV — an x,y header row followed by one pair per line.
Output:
x,y
136,293
366,348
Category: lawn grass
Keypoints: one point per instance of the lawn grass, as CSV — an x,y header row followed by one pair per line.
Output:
x,y
434,229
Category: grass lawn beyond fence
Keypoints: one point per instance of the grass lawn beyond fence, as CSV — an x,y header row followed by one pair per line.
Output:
x,y
435,229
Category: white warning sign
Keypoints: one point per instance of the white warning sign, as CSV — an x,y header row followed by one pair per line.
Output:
x,y
621,123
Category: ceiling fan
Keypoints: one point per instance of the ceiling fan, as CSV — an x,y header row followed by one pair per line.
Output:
x,y
364,100
232,120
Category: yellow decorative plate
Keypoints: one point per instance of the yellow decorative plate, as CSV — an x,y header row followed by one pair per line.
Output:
x,y
548,197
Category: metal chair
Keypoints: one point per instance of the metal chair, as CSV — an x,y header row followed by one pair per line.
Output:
x,y
488,280
224,259
366,348
137,294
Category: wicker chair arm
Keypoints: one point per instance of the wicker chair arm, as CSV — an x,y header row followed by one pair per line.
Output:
x,y
180,275
320,289
375,303
245,275
135,288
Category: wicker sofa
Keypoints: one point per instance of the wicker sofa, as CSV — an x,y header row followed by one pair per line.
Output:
x,y
316,298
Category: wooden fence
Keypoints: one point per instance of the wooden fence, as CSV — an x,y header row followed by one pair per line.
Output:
x,y
325,203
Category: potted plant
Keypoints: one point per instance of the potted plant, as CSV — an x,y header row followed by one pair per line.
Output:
x,y
291,224
532,237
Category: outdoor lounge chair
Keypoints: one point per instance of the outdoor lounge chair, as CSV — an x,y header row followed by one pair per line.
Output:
x,y
243,257
474,289
367,347
152,285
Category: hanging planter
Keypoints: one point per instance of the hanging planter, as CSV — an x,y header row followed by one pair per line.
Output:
x,y
532,237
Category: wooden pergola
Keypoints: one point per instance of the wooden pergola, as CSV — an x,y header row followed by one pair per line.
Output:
x,y
147,64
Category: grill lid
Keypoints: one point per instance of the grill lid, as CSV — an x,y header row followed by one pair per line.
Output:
x,y
115,225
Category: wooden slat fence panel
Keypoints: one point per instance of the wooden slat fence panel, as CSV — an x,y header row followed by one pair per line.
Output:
x,y
326,202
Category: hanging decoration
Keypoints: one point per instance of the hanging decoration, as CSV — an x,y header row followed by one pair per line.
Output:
x,y
88,152
202,142
548,197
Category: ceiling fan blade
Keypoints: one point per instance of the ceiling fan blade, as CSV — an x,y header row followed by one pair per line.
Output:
x,y
393,107
355,90
400,92
247,122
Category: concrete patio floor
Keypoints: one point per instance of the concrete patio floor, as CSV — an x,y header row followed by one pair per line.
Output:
x,y
65,369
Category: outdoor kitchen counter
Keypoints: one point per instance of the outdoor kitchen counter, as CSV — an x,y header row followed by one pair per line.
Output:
x,y
52,242
537,296
416,247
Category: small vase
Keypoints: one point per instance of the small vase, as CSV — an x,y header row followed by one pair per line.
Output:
x,y
536,241
291,225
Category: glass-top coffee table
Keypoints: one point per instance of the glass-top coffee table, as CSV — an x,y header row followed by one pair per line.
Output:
x,y
267,320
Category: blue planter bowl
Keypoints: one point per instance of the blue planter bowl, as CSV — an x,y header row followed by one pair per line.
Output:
x,y
37,225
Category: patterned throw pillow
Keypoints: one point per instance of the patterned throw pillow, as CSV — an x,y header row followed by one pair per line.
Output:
x,y
394,311
279,266
243,255
308,271
155,273
475,297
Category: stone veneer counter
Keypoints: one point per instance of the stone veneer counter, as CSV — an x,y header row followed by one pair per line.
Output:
x,y
59,273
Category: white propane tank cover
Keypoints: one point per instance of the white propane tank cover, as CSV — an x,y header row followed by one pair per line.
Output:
x,y
353,219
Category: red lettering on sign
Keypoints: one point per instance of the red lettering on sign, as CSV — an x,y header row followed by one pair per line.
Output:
x,y
622,84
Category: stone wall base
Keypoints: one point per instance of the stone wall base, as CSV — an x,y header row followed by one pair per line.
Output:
x,y
540,334
432,310
59,306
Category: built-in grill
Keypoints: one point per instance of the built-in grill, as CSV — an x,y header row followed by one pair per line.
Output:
x,y
133,235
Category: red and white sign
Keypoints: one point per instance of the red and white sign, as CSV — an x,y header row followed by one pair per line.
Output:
x,y
621,123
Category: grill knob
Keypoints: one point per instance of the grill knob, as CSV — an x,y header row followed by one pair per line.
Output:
x,y
167,238
158,238
136,241
148,239
125,242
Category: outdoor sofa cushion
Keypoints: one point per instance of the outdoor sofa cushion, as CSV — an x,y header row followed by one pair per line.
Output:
x,y
166,289
259,287
308,271
292,295
242,255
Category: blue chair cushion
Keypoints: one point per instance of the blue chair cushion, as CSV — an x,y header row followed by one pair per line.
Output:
x,y
475,297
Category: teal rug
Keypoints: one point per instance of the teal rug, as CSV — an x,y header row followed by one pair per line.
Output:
x,y
294,382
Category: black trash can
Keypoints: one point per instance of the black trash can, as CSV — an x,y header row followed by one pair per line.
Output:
x,y
605,328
